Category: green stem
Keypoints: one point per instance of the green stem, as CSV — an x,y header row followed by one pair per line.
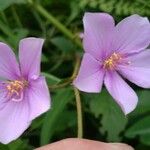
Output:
x,y
56,23
78,99
79,113
61,85
77,65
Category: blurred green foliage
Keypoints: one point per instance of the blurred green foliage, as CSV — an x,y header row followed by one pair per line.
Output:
x,y
103,119
118,7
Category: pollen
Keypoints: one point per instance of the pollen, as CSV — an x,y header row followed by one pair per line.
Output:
x,y
16,86
112,61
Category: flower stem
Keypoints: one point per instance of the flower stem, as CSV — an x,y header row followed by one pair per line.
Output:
x,y
61,85
77,65
56,23
78,99
79,113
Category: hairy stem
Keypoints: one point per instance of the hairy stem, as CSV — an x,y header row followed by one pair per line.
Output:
x,y
79,113
78,99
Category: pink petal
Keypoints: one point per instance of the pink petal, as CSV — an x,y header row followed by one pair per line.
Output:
x,y
9,68
3,95
90,77
13,120
138,70
132,34
121,92
98,28
38,97
30,56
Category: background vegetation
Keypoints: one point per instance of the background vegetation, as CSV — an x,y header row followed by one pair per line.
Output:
x,y
102,118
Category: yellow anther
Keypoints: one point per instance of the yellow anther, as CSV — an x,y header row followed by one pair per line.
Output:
x,y
111,62
16,86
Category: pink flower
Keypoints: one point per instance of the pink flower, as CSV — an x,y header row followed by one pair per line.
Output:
x,y
23,92
112,53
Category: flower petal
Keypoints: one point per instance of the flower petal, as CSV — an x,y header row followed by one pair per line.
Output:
x,y
121,92
98,28
30,56
138,71
9,68
13,120
90,76
39,98
3,95
132,34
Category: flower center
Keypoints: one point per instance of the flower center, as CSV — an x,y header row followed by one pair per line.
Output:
x,y
112,61
15,89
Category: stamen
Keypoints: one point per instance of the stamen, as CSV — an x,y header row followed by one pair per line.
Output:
x,y
15,89
111,62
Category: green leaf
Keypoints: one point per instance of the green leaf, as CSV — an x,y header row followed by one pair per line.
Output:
x,y
113,120
18,144
44,58
59,102
66,121
51,79
145,139
37,123
6,3
75,10
63,44
143,103
140,128
3,147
